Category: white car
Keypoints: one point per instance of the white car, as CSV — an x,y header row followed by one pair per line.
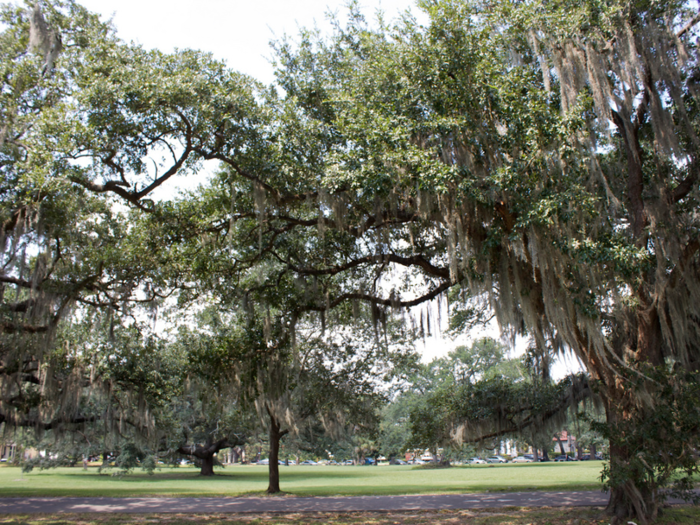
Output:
x,y
496,459
523,459
476,461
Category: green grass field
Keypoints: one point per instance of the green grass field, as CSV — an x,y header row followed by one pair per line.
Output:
x,y
304,481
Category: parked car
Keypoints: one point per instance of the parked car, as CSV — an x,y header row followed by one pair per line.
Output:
x,y
476,461
524,459
267,462
588,457
308,462
398,462
348,462
496,459
564,457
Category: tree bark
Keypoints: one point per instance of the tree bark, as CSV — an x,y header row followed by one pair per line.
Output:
x,y
276,434
561,445
207,468
628,499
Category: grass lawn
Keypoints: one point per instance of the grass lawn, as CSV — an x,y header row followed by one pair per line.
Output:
x,y
304,480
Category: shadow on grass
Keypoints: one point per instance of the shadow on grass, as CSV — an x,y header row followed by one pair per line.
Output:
x,y
511,516
221,476
541,464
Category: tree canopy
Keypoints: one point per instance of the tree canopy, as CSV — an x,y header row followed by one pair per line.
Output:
x,y
535,160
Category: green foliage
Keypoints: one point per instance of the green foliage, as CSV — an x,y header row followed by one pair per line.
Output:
x,y
540,154
493,408
394,431
132,456
473,394
419,381
658,445
44,463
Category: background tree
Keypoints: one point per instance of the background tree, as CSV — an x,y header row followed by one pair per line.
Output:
x,y
409,421
325,383
208,414
116,384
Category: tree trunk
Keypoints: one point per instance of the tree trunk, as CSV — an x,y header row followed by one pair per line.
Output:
x,y
207,468
631,501
561,445
273,468
628,499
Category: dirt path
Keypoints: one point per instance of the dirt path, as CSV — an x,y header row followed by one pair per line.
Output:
x,y
291,504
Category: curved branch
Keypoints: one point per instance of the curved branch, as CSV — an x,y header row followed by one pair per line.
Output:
x,y
693,22
415,260
378,300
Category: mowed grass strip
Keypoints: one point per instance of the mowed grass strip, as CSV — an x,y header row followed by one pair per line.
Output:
x,y
319,480
510,516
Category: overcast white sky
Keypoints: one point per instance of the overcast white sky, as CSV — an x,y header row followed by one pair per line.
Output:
x,y
240,33
234,30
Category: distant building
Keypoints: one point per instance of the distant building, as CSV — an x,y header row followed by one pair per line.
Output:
x,y
507,448
567,441
7,452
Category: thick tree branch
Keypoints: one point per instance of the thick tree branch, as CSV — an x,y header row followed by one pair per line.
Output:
x,y
684,188
12,328
536,415
415,260
693,22
635,179
378,300
206,451
31,423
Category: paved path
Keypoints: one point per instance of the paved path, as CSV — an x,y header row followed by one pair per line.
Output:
x,y
290,504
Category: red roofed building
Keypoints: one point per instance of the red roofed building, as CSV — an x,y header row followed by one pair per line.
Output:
x,y
568,442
